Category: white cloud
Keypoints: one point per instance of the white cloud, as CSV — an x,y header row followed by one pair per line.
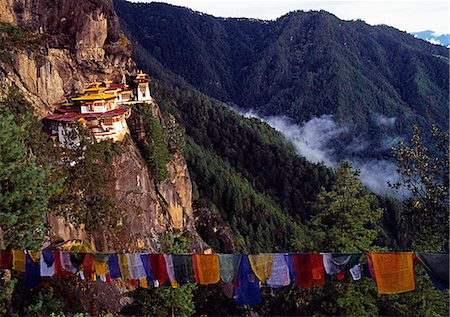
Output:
x,y
376,173
434,41
314,140
385,121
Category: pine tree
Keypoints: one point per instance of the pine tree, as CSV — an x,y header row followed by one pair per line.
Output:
x,y
24,190
344,222
344,219
154,147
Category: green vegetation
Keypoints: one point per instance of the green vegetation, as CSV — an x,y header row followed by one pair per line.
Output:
x,y
257,221
245,171
344,218
86,197
154,145
45,305
425,172
25,189
12,36
256,151
303,65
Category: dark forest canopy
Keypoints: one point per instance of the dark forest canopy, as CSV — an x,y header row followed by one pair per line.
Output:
x,y
302,65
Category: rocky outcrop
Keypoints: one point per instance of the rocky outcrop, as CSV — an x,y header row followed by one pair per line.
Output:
x,y
147,211
176,191
74,42
143,218
63,46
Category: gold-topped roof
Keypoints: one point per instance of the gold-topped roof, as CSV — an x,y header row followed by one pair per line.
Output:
x,y
94,97
94,89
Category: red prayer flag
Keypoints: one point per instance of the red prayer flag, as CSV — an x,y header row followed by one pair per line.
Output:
x,y
59,271
87,265
134,282
159,269
5,259
309,270
370,265
194,265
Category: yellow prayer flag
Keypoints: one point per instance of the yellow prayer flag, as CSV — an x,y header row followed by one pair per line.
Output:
x,y
394,272
99,268
143,282
19,259
123,265
208,268
35,255
261,265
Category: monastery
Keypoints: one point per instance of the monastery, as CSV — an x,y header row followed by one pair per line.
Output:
x,y
103,108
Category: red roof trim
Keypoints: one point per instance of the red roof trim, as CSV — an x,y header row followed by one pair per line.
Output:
x,y
74,116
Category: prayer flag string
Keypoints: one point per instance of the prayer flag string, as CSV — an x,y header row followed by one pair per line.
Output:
x,y
392,272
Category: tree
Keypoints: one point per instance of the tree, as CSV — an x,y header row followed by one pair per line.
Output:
x,y
424,175
86,197
24,188
153,147
175,134
344,219
25,184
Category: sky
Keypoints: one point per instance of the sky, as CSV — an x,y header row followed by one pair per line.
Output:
x,y
405,15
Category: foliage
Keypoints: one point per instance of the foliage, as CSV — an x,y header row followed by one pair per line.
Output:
x,y
12,36
86,197
344,220
153,146
262,224
163,301
256,151
25,189
302,65
6,289
425,175
175,134
45,304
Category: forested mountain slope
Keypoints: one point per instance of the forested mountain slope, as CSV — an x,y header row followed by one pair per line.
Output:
x,y
302,65
244,172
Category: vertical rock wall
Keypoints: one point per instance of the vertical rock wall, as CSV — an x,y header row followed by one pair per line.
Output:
x,y
75,43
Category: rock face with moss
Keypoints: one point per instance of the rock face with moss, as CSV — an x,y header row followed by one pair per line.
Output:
x,y
58,46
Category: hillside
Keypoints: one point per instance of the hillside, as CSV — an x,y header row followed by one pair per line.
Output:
x,y
302,65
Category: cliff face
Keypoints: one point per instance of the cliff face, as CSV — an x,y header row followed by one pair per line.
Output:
x,y
66,45
75,42
147,213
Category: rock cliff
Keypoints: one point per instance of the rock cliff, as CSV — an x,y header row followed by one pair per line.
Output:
x,y
67,44
74,42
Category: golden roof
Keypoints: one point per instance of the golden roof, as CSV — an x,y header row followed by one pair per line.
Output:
x,y
94,97
95,89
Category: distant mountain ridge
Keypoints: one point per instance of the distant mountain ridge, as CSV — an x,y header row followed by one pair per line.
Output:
x,y
433,37
302,65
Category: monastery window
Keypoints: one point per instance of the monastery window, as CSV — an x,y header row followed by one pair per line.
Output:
x,y
108,121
